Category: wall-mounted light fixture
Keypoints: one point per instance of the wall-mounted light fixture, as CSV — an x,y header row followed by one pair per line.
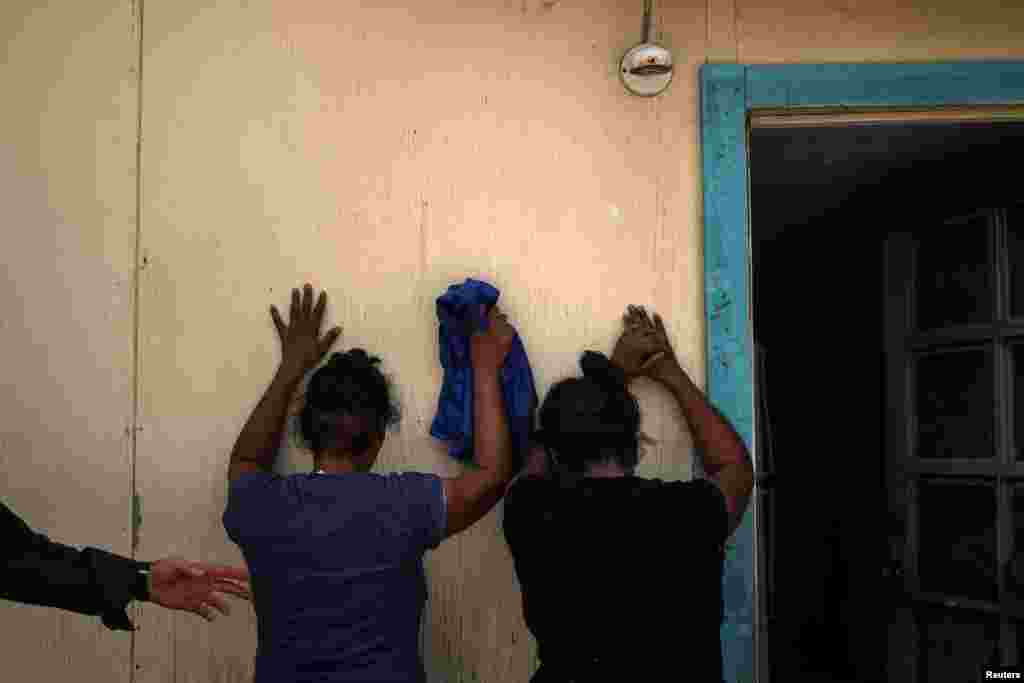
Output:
x,y
646,70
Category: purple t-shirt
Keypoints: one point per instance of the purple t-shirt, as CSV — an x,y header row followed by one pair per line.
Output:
x,y
336,564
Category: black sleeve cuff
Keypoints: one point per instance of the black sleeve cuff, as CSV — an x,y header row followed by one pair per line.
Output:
x,y
115,579
37,571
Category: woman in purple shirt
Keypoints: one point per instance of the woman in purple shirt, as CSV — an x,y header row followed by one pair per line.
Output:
x,y
336,555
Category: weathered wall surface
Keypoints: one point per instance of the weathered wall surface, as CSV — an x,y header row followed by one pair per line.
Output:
x,y
383,153
67,181
380,151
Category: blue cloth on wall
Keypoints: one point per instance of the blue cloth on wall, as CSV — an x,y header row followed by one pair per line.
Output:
x,y
458,312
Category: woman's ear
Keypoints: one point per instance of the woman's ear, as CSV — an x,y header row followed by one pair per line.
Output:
x,y
643,441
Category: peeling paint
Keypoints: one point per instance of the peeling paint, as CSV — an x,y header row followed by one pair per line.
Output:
x,y
729,359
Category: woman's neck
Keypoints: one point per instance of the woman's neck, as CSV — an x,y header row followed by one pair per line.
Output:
x,y
606,470
599,470
334,465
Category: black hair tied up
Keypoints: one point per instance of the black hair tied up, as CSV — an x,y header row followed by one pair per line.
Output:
x,y
356,360
346,400
597,367
592,418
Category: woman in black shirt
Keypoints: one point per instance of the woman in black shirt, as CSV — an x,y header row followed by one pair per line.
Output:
x,y
621,576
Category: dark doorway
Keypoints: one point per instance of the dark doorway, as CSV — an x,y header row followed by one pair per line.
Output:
x,y
851,523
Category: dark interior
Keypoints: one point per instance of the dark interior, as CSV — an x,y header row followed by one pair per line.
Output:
x,y
822,201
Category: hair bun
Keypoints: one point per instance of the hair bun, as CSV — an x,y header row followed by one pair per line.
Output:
x,y
597,367
353,360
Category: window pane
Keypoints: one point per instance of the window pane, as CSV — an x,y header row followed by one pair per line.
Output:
x,y
955,645
954,278
955,405
957,553
1015,575
1017,352
1015,249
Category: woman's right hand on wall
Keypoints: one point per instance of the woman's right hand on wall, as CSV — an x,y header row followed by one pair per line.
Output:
x,y
489,347
643,349
302,346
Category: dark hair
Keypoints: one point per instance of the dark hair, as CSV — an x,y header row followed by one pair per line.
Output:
x,y
593,418
346,401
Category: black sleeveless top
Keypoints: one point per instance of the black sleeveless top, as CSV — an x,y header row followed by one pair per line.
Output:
x,y
621,577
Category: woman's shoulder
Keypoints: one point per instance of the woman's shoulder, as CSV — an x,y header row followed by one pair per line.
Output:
x,y
531,482
528,491
700,494
678,487
535,485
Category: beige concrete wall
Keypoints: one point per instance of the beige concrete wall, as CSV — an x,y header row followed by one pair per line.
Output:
x,y
876,30
381,151
67,187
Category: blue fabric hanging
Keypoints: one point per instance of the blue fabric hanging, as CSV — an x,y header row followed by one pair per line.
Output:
x,y
458,312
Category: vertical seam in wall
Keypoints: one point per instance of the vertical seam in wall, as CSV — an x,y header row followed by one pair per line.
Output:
x,y
735,28
707,30
136,276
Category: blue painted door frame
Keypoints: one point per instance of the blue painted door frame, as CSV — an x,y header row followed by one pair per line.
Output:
x,y
728,93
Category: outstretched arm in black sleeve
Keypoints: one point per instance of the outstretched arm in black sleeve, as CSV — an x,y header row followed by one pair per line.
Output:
x,y
37,571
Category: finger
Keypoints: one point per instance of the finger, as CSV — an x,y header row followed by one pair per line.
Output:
x,y
237,583
639,321
307,300
220,602
182,566
329,339
321,304
282,329
499,318
652,360
294,313
225,572
659,325
229,588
